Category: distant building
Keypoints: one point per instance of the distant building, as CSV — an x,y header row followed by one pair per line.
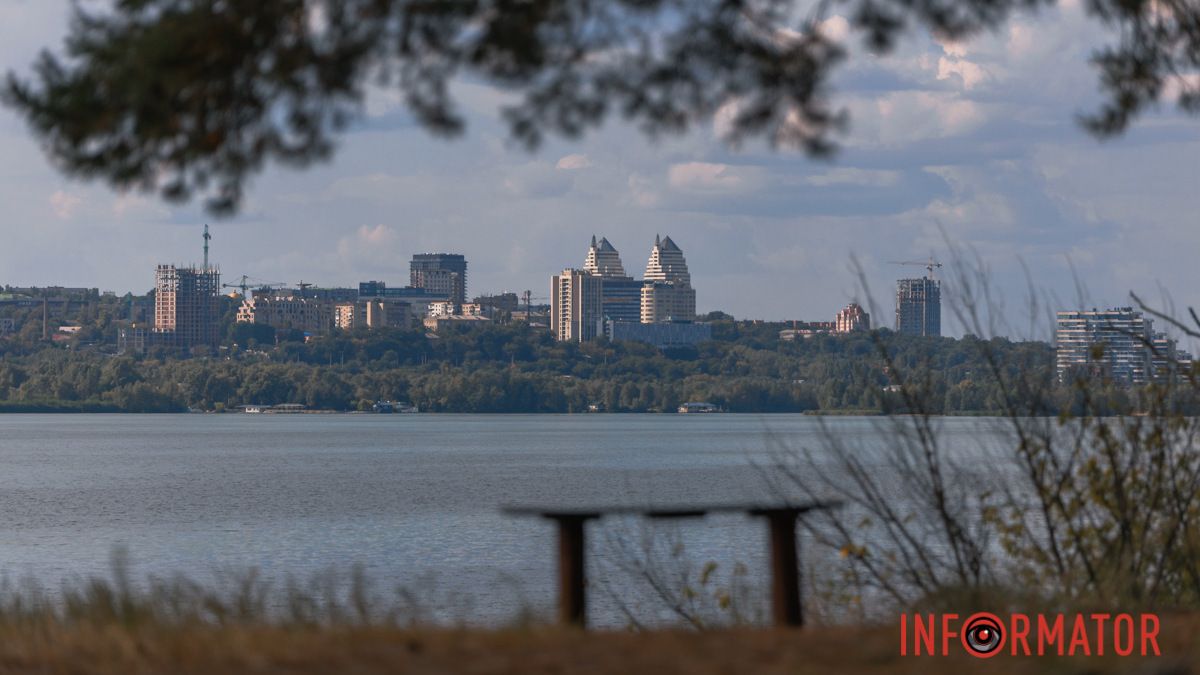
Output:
x,y
437,323
132,339
287,312
852,319
667,263
1114,343
186,306
621,294
576,306
664,301
919,307
416,296
373,313
668,334
326,294
441,274
667,294
503,302
805,330
603,260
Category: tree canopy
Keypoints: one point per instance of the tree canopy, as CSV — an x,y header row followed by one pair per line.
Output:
x,y
188,97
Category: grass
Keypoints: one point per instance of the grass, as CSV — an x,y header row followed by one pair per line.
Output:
x,y
334,624
113,649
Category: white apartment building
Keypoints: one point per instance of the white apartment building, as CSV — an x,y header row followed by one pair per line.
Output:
x,y
576,306
1110,342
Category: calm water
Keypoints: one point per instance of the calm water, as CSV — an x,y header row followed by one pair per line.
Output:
x,y
413,499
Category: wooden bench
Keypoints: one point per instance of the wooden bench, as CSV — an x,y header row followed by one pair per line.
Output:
x,y
786,608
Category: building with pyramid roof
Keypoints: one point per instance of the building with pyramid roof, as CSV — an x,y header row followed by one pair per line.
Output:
x,y
667,294
667,263
603,260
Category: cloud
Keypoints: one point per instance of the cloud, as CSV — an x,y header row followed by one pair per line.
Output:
x,y
369,247
971,74
709,178
573,161
537,180
64,204
853,176
642,190
901,118
836,28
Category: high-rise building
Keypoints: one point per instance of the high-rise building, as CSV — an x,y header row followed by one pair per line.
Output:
x,y
603,260
667,294
186,306
576,306
440,273
852,318
1111,342
667,263
667,301
919,307
621,295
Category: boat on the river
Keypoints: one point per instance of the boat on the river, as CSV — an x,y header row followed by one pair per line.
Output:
x,y
700,407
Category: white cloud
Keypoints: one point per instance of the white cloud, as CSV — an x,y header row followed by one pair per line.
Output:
x,y
573,161
900,118
708,177
971,74
836,28
853,176
537,180
955,48
64,204
369,246
642,190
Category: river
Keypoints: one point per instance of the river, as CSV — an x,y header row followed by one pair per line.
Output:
x,y
414,500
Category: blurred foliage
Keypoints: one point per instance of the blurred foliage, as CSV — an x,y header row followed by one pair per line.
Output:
x,y
187,96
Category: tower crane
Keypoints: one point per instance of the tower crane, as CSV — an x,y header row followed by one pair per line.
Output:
x,y
928,264
245,284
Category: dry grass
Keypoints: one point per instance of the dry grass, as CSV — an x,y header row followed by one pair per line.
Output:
x,y
114,649
110,627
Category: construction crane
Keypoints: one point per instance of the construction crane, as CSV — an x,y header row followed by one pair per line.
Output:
x,y
245,284
207,237
928,264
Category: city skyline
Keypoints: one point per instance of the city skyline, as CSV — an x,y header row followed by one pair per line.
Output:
x,y
948,140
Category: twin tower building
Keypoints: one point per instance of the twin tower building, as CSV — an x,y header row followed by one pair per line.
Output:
x,y
583,302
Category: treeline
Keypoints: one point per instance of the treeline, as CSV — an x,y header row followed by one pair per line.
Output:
x,y
515,368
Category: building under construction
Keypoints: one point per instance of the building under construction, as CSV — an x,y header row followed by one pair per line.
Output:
x,y
919,307
186,306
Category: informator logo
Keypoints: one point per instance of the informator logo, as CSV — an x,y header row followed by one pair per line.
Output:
x,y
984,635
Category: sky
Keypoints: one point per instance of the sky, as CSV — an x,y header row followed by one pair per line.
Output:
x,y
965,151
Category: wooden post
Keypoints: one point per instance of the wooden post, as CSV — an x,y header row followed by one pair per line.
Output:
x,y
572,595
785,573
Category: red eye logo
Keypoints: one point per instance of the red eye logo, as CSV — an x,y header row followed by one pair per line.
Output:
x,y
983,635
